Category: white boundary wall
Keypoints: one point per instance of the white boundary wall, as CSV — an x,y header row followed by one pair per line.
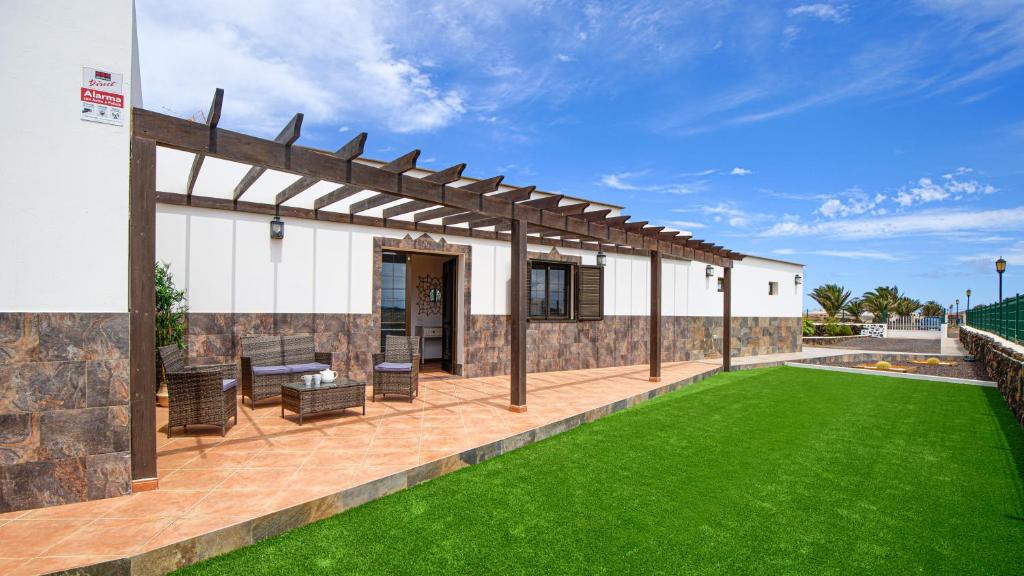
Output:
x,y
64,196
227,263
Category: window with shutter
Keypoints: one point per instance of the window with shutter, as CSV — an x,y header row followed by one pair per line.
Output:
x,y
590,293
548,286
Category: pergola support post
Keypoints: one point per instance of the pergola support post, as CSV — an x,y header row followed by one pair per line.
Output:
x,y
727,319
519,312
655,346
142,312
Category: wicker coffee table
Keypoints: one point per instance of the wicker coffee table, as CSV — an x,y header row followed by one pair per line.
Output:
x,y
338,395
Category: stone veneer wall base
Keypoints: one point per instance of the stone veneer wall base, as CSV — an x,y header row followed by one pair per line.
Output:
x,y
1004,363
64,419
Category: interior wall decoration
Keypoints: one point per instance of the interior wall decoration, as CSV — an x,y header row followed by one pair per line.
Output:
x,y
428,295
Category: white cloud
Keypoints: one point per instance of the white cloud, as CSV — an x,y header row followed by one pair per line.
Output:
x,y
343,129
622,181
685,225
821,11
926,190
269,72
784,251
856,202
564,58
727,212
928,222
857,255
741,172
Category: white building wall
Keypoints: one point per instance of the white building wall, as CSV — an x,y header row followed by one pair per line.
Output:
x,y
750,288
64,190
227,263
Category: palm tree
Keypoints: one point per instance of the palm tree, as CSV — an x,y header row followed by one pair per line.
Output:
x,y
932,308
855,307
906,306
831,297
881,301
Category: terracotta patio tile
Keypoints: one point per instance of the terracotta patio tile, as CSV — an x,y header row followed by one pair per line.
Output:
x,y
157,504
277,459
345,443
335,459
259,478
404,442
111,536
188,527
29,538
233,503
9,565
81,510
219,459
194,479
48,564
392,457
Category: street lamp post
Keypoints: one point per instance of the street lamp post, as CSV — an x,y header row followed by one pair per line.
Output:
x,y
957,311
1000,268
968,303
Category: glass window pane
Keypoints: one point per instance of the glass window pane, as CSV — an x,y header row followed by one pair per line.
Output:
x,y
558,292
537,290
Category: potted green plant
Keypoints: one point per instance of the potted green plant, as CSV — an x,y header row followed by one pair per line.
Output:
x,y
171,308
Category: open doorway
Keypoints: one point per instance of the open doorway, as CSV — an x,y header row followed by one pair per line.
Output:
x,y
419,298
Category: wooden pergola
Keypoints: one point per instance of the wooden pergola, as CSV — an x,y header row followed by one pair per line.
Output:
x,y
480,209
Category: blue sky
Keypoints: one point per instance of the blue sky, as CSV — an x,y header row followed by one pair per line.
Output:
x,y
876,143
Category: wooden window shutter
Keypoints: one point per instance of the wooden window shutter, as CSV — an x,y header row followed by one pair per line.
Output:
x,y
589,292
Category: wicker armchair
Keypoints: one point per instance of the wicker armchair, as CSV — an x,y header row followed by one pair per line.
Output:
x,y
270,361
203,394
397,369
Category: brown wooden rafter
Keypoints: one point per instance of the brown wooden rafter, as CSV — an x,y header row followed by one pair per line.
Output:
x,y
212,119
353,149
289,134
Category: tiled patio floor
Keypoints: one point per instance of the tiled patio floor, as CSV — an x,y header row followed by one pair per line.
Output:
x,y
267,463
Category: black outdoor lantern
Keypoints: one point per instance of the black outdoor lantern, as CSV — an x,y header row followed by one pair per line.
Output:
x,y
1000,268
709,271
798,279
968,298
602,258
276,228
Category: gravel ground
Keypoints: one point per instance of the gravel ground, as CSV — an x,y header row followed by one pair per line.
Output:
x,y
889,345
972,370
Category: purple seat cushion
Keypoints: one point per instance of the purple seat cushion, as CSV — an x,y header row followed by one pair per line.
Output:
x,y
265,370
228,384
308,367
393,367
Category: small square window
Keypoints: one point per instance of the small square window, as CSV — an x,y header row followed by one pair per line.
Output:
x,y
721,284
773,288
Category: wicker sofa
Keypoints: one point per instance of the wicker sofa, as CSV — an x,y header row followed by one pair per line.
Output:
x,y
269,361
198,394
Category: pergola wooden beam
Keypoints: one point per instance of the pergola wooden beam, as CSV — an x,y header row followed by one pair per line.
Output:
x,y
515,195
212,119
397,166
289,134
352,149
544,203
446,176
569,209
478,187
336,195
193,137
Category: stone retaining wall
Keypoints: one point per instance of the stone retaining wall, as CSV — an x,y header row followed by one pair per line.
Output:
x,y
1004,363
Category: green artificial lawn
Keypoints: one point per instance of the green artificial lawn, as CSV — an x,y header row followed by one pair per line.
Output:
x,y
772,471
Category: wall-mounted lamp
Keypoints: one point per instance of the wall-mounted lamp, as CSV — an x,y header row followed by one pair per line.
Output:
x,y
798,279
276,228
602,258
709,271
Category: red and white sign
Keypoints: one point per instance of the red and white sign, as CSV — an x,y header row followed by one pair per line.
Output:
x,y
101,98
